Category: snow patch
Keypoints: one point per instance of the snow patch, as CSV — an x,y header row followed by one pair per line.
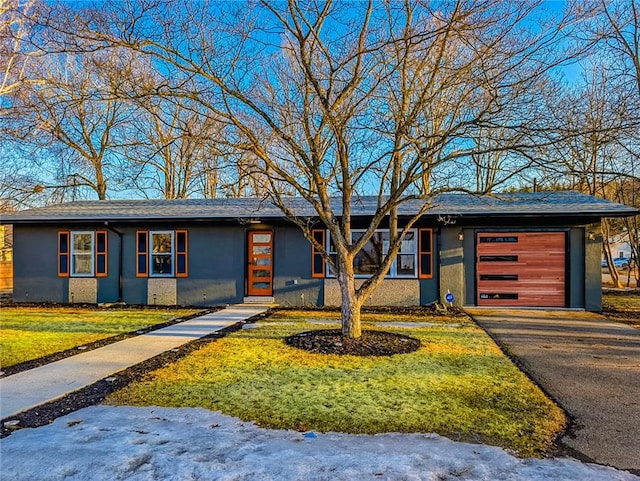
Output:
x,y
144,444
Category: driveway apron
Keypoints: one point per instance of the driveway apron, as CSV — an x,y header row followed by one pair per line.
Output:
x,y
589,365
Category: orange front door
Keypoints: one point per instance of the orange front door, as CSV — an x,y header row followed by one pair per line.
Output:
x,y
260,269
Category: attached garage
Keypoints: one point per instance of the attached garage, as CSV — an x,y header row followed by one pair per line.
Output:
x,y
526,269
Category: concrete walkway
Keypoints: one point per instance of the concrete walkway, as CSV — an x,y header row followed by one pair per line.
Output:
x,y
28,389
590,365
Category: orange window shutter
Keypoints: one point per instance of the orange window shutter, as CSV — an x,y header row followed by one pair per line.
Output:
x,y
425,253
102,240
142,253
64,255
182,256
317,261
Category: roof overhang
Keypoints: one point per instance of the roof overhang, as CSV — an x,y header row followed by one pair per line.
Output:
x,y
458,205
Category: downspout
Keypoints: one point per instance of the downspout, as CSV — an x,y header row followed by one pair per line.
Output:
x,y
120,278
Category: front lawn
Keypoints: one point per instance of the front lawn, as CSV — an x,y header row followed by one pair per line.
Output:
x,y
457,384
622,306
28,333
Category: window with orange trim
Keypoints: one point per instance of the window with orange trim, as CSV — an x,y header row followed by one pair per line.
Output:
x,y
369,259
162,253
82,253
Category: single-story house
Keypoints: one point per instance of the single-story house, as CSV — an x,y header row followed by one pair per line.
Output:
x,y
523,249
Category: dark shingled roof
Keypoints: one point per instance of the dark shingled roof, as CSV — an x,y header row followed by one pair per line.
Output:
x,y
459,204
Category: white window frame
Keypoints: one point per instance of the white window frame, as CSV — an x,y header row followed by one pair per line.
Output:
x,y
73,253
393,270
152,254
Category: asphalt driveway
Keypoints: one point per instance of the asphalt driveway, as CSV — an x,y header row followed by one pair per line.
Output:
x,y
589,365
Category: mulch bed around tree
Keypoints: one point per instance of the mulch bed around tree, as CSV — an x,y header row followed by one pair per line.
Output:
x,y
371,343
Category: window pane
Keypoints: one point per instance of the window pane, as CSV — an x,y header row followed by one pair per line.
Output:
x,y
62,267
82,264
142,241
405,265
64,242
318,264
181,241
332,271
142,264
262,261
82,243
499,258
498,277
408,245
262,238
498,295
261,273
371,255
161,264
498,239
101,264
425,240
101,241
425,264
181,264
161,242
332,247
261,250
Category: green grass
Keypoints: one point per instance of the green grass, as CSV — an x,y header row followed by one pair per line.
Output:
x,y
28,333
623,307
457,384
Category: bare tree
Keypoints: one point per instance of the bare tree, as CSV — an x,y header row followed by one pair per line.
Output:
x,y
74,104
168,143
14,27
616,30
342,98
591,126
331,100
628,192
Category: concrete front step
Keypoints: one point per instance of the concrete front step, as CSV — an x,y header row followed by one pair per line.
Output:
x,y
258,300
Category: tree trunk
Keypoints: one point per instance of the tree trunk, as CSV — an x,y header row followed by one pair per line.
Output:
x,y
351,305
606,247
101,185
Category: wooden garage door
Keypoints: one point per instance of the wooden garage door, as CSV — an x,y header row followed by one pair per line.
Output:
x,y
521,269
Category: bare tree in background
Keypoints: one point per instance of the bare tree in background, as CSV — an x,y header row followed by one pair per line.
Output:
x,y
14,57
592,124
168,142
616,29
621,32
75,104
